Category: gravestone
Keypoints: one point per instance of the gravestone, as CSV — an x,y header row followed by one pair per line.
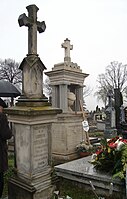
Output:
x,y
64,78
121,122
110,127
32,119
118,103
67,82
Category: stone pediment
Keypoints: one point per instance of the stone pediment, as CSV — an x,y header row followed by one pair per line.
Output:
x,y
31,61
67,66
65,76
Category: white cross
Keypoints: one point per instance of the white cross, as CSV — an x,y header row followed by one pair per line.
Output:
x,y
67,46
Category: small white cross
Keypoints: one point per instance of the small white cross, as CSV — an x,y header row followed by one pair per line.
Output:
x,y
67,46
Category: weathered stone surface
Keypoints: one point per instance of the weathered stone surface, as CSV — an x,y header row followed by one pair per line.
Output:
x,y
67,134
31,66
66,77
67,46
32,131
33,25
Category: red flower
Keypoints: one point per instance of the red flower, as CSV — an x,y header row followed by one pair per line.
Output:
x,y
124,141
112,145
113,139
99,152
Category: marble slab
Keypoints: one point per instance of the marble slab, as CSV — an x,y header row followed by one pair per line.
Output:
x,y
83,172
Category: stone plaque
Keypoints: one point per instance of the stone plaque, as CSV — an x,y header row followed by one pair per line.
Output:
x,y
40,146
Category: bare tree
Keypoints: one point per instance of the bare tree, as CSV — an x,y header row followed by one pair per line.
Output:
x,y
47,88
115,76
86,92
9,70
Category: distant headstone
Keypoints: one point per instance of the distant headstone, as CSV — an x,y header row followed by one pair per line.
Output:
x,y
110,128
118,104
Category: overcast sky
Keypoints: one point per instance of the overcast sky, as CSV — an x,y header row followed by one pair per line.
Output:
x,y
97,29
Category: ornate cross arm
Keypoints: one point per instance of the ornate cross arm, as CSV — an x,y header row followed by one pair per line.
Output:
x,y
25,21
41,26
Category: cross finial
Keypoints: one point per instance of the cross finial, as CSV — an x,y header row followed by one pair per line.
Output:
x,y
67,46
33,26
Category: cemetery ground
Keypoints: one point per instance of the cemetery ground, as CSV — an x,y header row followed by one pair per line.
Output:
x,y
65,187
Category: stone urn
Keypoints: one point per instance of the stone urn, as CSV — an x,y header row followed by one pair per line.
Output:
x,y
71,98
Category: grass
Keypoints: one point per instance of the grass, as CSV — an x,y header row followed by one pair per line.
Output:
x,y
67,188
8,174
75,191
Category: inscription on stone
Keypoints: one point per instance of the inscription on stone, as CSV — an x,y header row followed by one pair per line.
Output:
x,y
40,147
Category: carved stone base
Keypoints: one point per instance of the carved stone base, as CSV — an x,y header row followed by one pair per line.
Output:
x,y
63,158
33,102
19,189
67,134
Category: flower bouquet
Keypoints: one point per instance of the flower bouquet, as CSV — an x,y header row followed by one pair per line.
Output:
x,y
84,149
111,157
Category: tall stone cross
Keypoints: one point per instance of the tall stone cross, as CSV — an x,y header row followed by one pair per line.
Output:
x,y
33,26
67,46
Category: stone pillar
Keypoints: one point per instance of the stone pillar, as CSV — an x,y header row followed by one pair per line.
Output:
x,y
55,96
33,128
63,97
79,96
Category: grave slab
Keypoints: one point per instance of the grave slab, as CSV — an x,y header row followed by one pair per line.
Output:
x,y
82,172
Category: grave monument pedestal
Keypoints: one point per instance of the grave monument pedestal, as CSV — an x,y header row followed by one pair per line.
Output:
x,y
67,134
33,128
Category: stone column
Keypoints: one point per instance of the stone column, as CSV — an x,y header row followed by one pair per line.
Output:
x,y
55,96
79,96
63,97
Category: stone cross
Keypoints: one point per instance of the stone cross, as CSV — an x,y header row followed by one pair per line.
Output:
x,y
33,26
67,47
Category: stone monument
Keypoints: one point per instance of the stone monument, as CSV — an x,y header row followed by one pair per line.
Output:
x,y
121,114
110,126
67,82
32,118
31,66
